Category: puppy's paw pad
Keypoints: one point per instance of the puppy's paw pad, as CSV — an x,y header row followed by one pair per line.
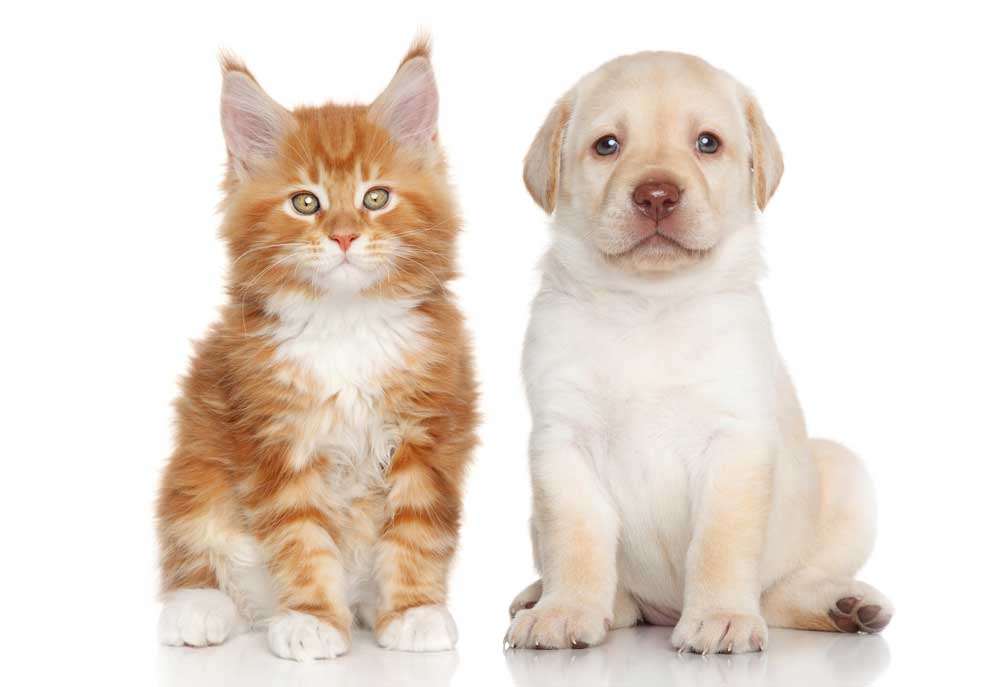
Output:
x,y
422,628
550,625
720,633
303,637
869,613
197,617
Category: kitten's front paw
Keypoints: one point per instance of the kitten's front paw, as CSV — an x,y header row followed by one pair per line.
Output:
x,y
551,624
304,637
719,633
422,628
197,617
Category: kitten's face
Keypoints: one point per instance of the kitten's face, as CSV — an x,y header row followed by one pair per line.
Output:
x,y
338,199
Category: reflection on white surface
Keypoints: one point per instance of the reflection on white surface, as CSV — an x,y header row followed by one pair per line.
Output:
x,y
246,660
638,656
641,656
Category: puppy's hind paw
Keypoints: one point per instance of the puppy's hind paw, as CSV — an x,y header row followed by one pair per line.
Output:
x,y
869,614
528,597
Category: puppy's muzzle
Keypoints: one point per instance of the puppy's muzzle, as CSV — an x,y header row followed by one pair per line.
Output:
x,y
656,199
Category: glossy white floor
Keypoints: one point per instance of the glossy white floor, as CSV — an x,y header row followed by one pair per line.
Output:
x,y
636,656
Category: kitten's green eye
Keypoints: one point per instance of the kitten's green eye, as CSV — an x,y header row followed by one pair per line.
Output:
x,y
305,203
376,198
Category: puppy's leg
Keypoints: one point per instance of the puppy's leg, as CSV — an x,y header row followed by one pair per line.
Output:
x,y
722,576
822,595
577,532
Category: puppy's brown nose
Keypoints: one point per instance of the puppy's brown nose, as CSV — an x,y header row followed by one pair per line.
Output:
x,y
656,199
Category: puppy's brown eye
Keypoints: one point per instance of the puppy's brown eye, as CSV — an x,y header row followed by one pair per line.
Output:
x,y
376,198
606,145
707,143
305,203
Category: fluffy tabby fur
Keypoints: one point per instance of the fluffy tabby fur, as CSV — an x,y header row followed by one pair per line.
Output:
x,y
327,419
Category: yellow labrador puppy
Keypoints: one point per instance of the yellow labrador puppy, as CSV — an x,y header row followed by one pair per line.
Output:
x,y
673,479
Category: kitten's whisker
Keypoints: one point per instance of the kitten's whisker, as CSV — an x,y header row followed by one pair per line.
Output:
x,y
246,287
263,247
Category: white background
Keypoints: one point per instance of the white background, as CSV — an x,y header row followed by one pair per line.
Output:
x,y
883,243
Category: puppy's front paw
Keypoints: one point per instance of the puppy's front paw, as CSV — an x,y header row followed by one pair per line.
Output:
x,y
555,625
198,617
422,628
720,633
304,637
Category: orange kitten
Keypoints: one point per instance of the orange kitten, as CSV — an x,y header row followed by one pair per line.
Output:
x,y
328,417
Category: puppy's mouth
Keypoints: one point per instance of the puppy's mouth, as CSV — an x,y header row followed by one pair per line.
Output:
x,y
656,241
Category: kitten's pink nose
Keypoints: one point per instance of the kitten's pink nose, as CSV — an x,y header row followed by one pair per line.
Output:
x,y
344,240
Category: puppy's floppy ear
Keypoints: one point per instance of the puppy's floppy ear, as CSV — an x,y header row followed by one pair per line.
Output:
x,y
252,123
408,107
765,161
542,163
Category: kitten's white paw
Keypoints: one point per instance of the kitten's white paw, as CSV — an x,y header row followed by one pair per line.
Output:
x,y
303,637
198,617
422,628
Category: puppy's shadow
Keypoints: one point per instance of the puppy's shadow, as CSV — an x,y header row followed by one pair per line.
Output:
x,y
643,655
247,661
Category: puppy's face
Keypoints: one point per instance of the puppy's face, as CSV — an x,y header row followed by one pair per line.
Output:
x,y
653,159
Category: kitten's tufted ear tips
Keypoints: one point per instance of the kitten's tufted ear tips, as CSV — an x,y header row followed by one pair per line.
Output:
x,y
408,107
252,123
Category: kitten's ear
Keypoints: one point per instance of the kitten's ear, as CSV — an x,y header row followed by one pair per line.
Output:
x,y
408,107
252,123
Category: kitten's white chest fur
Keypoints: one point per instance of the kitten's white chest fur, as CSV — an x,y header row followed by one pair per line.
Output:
x,y
348,345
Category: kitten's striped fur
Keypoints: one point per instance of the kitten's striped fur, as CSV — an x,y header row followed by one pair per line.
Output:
x,y
327,419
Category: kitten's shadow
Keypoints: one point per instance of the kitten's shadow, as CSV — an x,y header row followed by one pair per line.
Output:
x,y
642,655
247,661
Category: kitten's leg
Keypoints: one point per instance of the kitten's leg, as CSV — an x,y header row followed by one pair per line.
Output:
x,y
195,611
414,552
823,595
300,545
577,538
722,582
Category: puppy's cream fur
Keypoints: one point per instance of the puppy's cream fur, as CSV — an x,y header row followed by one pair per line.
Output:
x,y
673,479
